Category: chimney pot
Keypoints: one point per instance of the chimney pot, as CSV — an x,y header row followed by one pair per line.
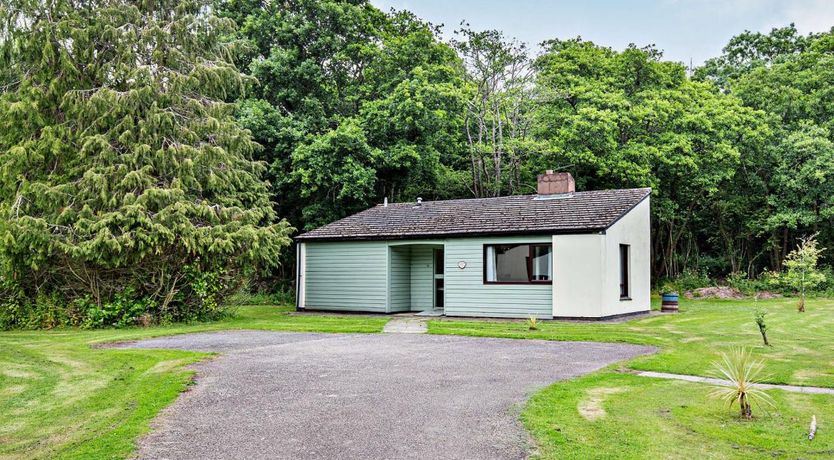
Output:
x,y
551,183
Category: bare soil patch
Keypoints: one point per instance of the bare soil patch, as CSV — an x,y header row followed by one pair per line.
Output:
x,y
591,407
715,292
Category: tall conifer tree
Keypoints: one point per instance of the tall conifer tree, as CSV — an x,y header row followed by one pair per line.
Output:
x,y
121,166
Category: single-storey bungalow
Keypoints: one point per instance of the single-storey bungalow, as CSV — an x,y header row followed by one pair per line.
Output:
x,y
556,254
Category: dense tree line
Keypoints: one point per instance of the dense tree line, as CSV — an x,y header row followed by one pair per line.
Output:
x,y
738,153
156,155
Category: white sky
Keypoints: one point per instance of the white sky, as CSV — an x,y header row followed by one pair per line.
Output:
x,y
683,29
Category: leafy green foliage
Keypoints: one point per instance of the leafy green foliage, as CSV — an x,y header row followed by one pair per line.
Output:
x,y
334,168
786,189
752,50
125,309
687,281
744,283
121,164
123,159
628,119
759,317
801,271
13,302
498,111
366,107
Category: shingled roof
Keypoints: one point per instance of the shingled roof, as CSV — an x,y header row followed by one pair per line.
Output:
x,y
578,212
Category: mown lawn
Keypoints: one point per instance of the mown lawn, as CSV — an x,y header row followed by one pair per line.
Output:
x,y
615,414
610,415
61,398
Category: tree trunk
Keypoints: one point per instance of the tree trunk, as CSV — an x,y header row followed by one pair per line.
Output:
x,y
746,410
801,306
784,251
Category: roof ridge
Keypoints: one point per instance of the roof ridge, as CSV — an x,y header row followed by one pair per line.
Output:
x,y
583,192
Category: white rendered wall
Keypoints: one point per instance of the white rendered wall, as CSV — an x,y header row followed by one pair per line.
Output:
x,y
586,269
633,229
577,275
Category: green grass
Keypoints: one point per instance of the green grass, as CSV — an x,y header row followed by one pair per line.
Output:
x,y
60,398
802,351
615,414
660,419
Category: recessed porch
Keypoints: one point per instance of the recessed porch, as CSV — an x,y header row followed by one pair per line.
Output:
x,y
415,277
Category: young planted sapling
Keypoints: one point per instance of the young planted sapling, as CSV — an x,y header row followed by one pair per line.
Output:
x,y
801,268
759,316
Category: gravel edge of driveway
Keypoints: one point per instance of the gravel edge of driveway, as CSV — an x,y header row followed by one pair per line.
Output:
x,y
292,396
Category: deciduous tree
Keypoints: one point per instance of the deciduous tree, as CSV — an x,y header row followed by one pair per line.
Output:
x,y
341,77
629,119
801,271
498,112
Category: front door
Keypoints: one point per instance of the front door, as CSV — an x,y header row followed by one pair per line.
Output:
x,y
438,279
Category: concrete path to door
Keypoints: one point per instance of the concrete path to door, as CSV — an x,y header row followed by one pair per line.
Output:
x,y
406,325
374,396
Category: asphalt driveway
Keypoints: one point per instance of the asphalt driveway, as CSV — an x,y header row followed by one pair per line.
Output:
x,y
375,396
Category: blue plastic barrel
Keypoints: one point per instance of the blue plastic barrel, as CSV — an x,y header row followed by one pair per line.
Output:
x,y
670,302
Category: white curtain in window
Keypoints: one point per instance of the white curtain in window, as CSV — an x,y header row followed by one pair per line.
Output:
x,y
490,264
542,263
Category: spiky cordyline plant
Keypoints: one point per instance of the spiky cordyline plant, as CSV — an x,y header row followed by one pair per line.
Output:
x,y
533,323
744,372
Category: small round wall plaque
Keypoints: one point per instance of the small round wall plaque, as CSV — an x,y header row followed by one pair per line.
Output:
x,y
462,264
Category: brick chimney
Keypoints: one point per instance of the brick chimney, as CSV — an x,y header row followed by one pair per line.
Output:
x,y
551,183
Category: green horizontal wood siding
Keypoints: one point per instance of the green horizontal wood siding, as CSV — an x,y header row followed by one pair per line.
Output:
x,y
375,277
399,279
347,276
422,277
467,295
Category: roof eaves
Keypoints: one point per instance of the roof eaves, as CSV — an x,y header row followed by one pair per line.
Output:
x,y
417,236
624,213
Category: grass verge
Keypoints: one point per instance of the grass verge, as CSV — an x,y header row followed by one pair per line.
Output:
x,y
61,398
689,341
615,414
612,415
